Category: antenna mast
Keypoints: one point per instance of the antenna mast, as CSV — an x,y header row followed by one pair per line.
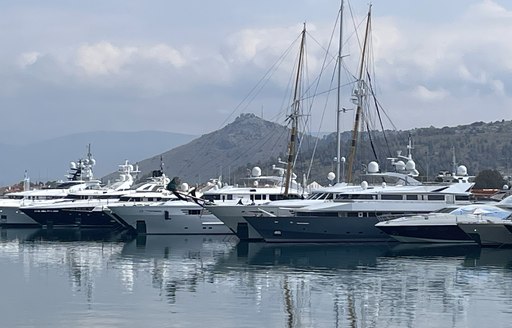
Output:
x,y
338,103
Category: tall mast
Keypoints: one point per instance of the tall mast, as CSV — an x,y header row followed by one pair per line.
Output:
x,y
338,102
359,93
294,116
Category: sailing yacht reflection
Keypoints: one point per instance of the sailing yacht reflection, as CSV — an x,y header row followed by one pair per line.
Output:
x,y
313,256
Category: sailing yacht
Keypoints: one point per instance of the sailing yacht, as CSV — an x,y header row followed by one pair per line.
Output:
x,y
352,215
232,215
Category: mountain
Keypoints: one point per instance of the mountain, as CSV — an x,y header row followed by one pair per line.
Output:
x,y
247,141
49,160
250,141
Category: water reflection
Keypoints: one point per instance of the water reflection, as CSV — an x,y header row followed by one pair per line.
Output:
x,y
75,234
174,262
101,276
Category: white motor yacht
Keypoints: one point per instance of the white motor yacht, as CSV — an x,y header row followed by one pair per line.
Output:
x,y
490,230
84,209
440,226
80,177
352,216
185,216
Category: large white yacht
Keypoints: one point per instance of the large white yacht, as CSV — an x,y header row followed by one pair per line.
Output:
x,y
402,175
352,216
79,178
440,226
185,216
84,209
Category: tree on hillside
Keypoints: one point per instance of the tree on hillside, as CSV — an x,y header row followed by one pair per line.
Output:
x,y
489,179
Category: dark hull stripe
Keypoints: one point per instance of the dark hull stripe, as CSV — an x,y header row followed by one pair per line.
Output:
x,y
69,218
318,229
440,233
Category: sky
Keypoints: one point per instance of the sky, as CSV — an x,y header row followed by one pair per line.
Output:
x,y
189,66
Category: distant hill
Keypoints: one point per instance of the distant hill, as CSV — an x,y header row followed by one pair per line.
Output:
x,y
49,159
250,140
247,141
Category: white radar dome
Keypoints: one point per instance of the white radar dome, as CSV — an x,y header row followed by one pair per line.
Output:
x,y
256,171
410,165
93,162
331,176
462,170
364,185
72,165
384,185
400,165
184,186
373,167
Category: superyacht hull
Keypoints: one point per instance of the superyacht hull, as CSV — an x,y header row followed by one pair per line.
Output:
x,y
233,218
161,221
233,215
489,234
318,229
13,217
441,233
72,218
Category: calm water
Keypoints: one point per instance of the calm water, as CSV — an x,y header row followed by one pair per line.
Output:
x,y
85,279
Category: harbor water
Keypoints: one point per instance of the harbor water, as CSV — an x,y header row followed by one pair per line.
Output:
x,y
79,278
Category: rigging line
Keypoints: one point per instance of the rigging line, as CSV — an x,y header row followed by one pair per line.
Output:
x,y
378,113
271,69
250,148
371,141
324,65
287,98
261,86
258,86
356,26
329,90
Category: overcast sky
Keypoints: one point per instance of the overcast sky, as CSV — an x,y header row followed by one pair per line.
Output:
x,y
185,66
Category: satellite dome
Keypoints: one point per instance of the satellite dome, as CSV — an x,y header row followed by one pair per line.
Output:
x,y
255,183
400,165
410,165
384,185
92,162
184,186
331,176
72,165
364,185
256,171
373,167
462,170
